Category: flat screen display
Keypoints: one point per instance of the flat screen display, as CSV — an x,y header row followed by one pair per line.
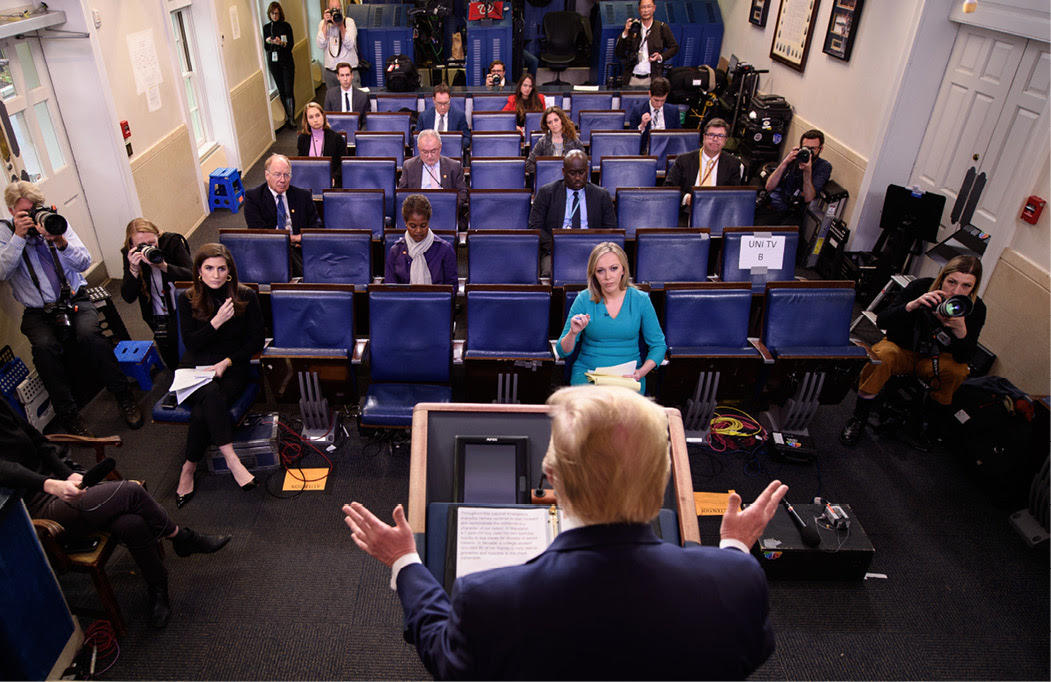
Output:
x,y
491,470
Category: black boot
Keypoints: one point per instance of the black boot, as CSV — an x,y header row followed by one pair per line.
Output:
x,y
290,112
856,424
187,542
160,605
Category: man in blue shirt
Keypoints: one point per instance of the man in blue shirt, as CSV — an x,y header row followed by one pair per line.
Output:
x,y
45,272
795,182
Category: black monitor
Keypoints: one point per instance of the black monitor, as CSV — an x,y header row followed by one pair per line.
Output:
x,y
492,470
918,213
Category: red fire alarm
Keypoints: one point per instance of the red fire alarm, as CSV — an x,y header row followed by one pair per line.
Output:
x,y
1034,206
125,129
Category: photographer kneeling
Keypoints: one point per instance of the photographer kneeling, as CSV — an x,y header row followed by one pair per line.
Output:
x,y
932,335
153,261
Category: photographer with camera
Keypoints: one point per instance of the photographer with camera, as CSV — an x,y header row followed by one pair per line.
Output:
x,y
644,46
796,181
43,258
153,261
932,334
337,38
496,78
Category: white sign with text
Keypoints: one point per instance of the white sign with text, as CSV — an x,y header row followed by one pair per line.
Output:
x,y
761,252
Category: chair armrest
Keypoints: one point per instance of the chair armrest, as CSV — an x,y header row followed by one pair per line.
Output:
x,y
48,532
559,360
873,358
360,347
768,357
458,346
85,441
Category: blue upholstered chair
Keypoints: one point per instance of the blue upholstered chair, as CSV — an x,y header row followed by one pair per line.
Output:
x,y
508,363
571,249
674,141
742,240
409,351
312,172
599,120
719,207
627,171
346,123
372,173
261,255
589,101
498,173
390,103
532,119
548,169
381,144
337,257
495,144
389,122
487,103
443,207
629,101
614,143
355,209
502,256
312,320
642,207
500,209
671,255
492,121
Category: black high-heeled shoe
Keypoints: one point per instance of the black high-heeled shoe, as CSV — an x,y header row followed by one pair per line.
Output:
x,y
250,485
183,500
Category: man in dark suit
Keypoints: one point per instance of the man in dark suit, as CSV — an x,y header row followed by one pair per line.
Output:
x,y
347,97
444,116
431,170
709,166
278,204
643,49
607,599
656,114
552,211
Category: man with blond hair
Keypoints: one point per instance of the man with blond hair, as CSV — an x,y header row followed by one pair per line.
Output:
x,y
607,599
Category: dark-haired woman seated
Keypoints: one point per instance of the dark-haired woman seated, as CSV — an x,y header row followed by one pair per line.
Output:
x,y
525,99
222,328
560,137
420,257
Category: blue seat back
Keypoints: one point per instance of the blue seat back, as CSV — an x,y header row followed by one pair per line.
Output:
x,y
647,207
488,312
495,144
801,315
733,241
337,256
381,144
312,317
443,207
589,101
631,171
346,123
493,121
710,315
572,248
502,257
261,255
532,121
599,120
506,209
664,142
354,209
718,207
410,334
452,145
487,103
372,173
313,173
548,169
390,122
534,137
630,101
394,103
625,143
498,173
671,256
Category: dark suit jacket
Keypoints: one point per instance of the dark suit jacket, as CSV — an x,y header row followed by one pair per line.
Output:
x,y
451,176
261,213
660,39
602,602
457,121
359,99
334,146
669,112
683,172
180,269
549,210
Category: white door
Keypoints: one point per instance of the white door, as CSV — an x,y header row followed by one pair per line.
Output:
x,y
40,134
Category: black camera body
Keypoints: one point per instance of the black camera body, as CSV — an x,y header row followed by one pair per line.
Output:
x,y
150,252
931,336
61,312
636,28
803,156
498,80
47,218
337,16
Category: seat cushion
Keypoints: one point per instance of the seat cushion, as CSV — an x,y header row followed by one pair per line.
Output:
x,y
181,414
850,351
713,351
392,404
508,355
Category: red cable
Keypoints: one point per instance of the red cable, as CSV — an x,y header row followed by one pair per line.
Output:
x,y
101,634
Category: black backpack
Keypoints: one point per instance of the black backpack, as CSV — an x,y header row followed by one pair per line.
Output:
x,y
400,74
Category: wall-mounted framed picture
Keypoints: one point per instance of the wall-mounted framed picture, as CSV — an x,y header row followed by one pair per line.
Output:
x,y
757,13
793,32
842,27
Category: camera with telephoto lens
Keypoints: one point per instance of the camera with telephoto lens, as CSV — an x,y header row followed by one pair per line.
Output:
x,y
150,252
498,80
636,28
337,16
47,218
803,156
931,337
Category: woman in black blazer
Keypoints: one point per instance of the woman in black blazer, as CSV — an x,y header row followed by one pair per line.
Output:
x,y
152,262
277,42
317,139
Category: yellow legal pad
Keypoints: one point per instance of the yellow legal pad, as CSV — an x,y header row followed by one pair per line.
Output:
x,y
315,479
711,504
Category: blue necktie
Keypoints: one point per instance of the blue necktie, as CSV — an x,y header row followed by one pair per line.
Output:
x,y
282,217
576,210
48,264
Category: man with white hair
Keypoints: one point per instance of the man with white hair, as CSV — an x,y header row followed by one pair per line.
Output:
x,y
431,170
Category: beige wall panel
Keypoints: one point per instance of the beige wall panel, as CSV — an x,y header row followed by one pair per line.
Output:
x,y
1016,328
304,83
241,56
848,167
1035,240
159,172
248,102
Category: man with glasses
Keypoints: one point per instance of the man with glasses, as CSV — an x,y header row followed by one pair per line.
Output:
x,y
497,75
796,181
445,117
645,45
277,204
431,170
709,166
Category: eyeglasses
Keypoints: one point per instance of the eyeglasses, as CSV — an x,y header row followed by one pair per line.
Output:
x,y
715,136
280,176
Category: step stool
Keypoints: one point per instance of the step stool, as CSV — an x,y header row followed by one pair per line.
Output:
x,y
225,189
137,359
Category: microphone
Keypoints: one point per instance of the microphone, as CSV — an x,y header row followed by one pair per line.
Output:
x,y
808,534
97,473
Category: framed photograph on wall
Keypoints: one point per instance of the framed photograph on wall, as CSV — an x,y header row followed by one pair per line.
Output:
x,y
793,31
842,27
757,13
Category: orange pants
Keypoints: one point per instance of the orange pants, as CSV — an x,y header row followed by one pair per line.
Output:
x,y
896,360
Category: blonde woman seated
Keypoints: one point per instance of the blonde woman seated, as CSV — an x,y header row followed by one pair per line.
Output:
x,y
608,318
560,137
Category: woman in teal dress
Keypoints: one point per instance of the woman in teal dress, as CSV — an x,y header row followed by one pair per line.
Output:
x,y
608,318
